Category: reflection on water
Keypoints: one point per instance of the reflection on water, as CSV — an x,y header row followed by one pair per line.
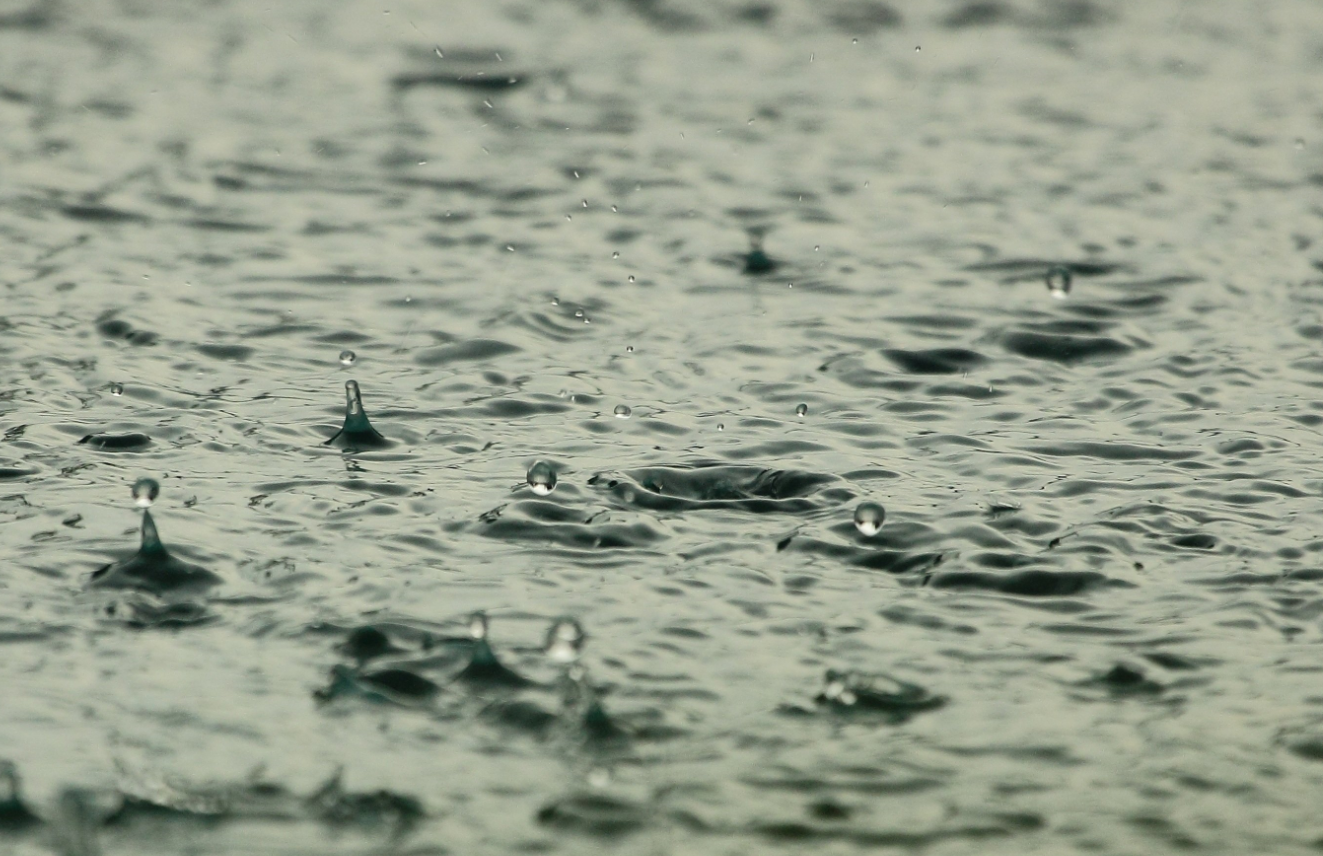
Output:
x,y
963,353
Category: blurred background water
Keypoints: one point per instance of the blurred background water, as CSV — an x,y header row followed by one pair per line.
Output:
x,y
730,270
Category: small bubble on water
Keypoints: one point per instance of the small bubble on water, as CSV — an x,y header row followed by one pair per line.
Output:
x,y
854,41
622,411
1058,281
801,411
555,301
565,641
578,313
145,491
631,277
868,518
117,389
542,478
478,625
615,255
629,349
347,358
721,426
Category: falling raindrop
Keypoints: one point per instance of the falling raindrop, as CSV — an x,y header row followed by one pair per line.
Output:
x,y
801,411
615,255
868,518
541,478
1058,281
631,277
622,411
145,491
478,625
347,358
117,389
629,349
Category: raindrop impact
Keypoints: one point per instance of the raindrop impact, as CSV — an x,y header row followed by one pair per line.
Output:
x,y
622,411
348,358
357,432
1058,282
117,389
801,411
145,491
541,478
565,640
868,518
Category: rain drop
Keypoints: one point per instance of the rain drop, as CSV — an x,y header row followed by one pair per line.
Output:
x,y
117,389
615,255
622,411
541,478
801,411
478,625
631,277
868,518
1058,281
565,641
347,358
145,491
578,313
629,349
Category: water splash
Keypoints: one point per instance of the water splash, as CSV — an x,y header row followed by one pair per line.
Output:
x,y
483,668
756,261
152,569
542,478
145,491
1058,281
565,639
357,432
348,358
868,518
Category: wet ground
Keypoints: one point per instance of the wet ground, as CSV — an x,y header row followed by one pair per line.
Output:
x,y
730,270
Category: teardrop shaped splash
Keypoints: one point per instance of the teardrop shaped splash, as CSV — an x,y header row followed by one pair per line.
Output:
x,y
483,668
357,432
152,569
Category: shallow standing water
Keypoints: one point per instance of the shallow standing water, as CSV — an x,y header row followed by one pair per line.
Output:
x,y
1098,580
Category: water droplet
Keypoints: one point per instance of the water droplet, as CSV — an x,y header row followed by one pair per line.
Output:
x,y
117,389
585,203
541,478
817,247
1299,142
629,349
615,255
622,411
631,277
918,48
801,411
478,625
438,52
721,426
614,208
1058,281
578,313
868,518
555,301
347,358
854,41
145,491
565,641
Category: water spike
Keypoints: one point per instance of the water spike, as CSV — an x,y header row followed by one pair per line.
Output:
x,y
357,432
484,668
151,541
756,261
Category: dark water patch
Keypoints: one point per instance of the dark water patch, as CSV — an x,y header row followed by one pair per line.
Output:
x,y
154,570
396,686
477,81
1035,583
719,486
1119,452
935,360
547,522
979,14
520,715
875,697
13,473
1061,348
474,350
334,805
117,442
860,17
115,328
1125,679
1195,541
228,353
225,226
15,816
509,408
1020,270
102,214
594,814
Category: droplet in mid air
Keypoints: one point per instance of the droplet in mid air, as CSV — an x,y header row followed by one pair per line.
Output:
x,y
542,478
801,411
357,432
1058,281
145,491
868,518
478,625
348,358
622,411
117,389
565,640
